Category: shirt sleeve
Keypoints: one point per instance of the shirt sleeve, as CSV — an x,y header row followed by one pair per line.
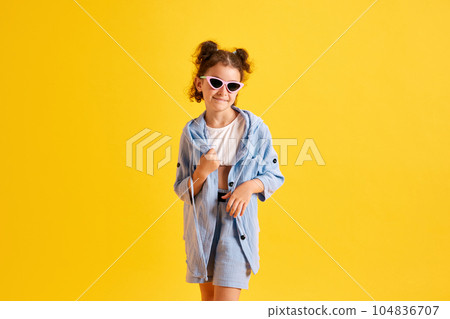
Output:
x,y
269,171
183,174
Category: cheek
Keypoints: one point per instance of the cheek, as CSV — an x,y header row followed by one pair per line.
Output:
x,y
208,92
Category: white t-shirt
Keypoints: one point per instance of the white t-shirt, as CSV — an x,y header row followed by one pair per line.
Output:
x,y
225,140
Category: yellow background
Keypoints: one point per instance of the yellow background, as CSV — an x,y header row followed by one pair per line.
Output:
x,y
376,104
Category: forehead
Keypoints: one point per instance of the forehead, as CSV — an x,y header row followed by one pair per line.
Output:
x,y
226,73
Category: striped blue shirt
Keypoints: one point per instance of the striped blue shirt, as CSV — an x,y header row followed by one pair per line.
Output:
x,y
255,158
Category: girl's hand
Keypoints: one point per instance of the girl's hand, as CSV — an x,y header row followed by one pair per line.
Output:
x,y
239,199
209,162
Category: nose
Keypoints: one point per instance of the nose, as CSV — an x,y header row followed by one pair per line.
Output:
x,y
223,90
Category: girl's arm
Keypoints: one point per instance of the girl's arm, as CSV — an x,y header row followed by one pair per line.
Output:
x,y
208,163
198,179
183,184
255,185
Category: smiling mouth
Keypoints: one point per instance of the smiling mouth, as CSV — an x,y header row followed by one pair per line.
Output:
x,y
220,99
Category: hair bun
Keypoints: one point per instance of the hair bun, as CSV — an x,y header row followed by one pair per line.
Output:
x,y
206,49
243,56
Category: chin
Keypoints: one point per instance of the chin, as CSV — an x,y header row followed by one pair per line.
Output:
x,y
221,105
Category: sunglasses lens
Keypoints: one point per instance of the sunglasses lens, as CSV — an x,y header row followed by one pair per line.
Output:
x,y
233,86
216,83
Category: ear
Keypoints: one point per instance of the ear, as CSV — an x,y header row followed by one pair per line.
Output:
x,y
198,83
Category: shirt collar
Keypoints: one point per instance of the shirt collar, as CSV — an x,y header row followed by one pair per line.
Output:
x,y
198,135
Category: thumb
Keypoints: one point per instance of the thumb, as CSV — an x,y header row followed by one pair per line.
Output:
x,y
227,195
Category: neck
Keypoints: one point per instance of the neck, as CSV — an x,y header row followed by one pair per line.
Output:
x,y
220,118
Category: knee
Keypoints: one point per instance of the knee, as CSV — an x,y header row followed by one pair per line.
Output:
x,y
226,293
208,298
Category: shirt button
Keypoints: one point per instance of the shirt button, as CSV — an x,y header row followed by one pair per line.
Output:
x,y
178,164
231,184
274,160
243,237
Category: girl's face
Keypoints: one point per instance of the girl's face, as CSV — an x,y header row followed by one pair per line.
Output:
x,y
218,99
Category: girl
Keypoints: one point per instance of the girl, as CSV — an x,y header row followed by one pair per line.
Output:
x,y
226,161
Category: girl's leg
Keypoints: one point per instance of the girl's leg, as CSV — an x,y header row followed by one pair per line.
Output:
x,y
226,293
207,291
